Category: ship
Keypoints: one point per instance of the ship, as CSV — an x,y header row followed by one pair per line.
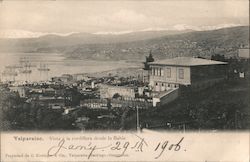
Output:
x,y
43,67
25,63
26,71
9,71
25,60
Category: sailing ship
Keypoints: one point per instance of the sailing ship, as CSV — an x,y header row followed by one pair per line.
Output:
x,y
26,65
43,67
9,71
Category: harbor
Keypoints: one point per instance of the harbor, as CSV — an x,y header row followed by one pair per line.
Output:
x,y
25,67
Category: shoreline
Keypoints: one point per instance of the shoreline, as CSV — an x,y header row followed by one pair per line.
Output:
x,y
120,72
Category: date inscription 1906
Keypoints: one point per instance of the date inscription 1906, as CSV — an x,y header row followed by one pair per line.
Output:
x,y
122,147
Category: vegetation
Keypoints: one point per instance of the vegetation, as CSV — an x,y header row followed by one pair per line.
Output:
x,y
224,106
18,115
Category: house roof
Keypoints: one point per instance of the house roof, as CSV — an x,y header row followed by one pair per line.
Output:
x,y
187,61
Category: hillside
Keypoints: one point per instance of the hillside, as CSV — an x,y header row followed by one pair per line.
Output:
x,y
52,41
206,43
133,46
215,108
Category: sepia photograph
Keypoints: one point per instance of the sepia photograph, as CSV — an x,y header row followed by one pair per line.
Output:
x,y
118,66
123,66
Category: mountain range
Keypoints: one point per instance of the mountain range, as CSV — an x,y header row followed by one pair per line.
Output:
x,y
135,45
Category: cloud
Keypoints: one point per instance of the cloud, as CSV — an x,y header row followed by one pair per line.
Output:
x,y
127,17
110,16
124,19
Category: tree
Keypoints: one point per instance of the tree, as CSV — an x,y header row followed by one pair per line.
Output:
x,y
116,95
218,57
9,103
148,60
150,57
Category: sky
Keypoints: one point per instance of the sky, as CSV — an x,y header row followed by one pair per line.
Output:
x,y
99,16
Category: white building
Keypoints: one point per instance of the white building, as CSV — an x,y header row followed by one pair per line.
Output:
x,y
243,53
108,91
20,90
170,73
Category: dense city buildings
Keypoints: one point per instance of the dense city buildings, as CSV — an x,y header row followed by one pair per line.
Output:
x,y
82,101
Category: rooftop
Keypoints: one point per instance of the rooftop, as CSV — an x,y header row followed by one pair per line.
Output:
x,y
187,61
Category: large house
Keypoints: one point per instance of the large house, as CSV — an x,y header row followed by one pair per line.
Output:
x,y
171,73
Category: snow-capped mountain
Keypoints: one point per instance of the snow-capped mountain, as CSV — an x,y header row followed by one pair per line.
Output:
x,y
15,33
178,27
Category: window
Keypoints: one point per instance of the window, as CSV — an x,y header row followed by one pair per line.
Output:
x,y
158,72
162,72
181,73
169,72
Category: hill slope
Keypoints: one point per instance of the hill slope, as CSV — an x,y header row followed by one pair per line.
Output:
x,y
133,46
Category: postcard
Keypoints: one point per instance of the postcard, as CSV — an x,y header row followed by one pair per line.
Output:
x,y
126,80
